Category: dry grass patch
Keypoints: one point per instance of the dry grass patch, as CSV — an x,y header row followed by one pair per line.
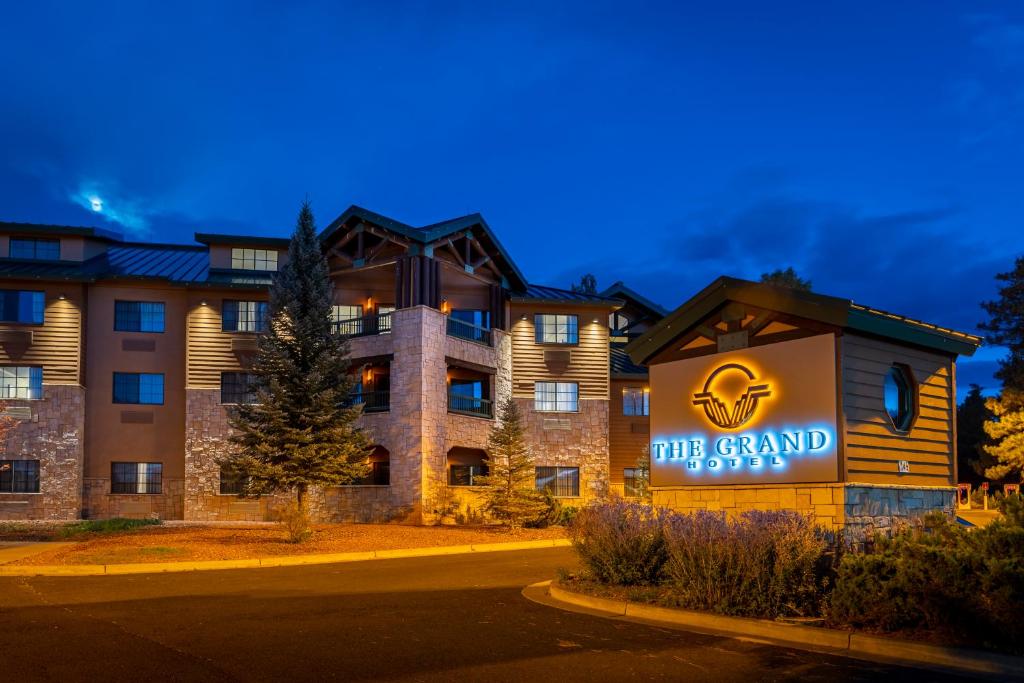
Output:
x,y
171,544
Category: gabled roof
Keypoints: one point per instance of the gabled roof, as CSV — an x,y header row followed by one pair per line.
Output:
x,y
840,313
431,233
547,295
620,291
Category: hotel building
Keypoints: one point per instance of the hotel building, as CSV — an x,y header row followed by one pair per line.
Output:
x,y
119,362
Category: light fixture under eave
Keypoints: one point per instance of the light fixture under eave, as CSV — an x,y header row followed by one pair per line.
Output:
x,y
523,317
203,303
62,297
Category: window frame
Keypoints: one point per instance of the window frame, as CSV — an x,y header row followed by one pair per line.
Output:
x,y
474,471
249,259
141,316
630,475
9,467
645,404
555,472
556,393
33,371
135,481
572,331
38,302
36,242
907,397
237,317
139,390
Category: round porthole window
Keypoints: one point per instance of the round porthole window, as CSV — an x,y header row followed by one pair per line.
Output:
x,y
899,397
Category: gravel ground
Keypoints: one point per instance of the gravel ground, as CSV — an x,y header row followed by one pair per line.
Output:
x,y
168,544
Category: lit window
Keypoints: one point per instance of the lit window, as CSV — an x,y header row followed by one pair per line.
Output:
x,y
35,248
900,403
138,316
21,306
25,382
138,387
253,259
557,397
634,481
19,476
636,401
136,477
347,319
237,387
618,322
561,482
556,329
244,316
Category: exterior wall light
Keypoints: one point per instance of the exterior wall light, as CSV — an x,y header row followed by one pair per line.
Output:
x,y
62,297
203,303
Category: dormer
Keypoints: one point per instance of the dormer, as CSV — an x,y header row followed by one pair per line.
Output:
x,y
636,316
32,242
244,253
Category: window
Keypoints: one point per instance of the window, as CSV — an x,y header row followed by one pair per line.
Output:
x,y
237,387
384,319
617,322
135,477
561,482
379,475
556,329
139,316
232,483
19,476
634,481
556,397
19,306
636,401
21,382
244,316
35,248
347,319
138,387
899,391
253,259
466,475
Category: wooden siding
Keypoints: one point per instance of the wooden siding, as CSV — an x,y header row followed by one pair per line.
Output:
x,y
588,364
873,447
209,349
627,434
57,343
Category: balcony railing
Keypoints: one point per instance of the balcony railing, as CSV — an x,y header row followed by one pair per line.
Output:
x,y
474,333
364,326
469,405
372,401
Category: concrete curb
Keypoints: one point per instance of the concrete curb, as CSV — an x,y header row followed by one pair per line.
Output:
x,y
280,561
873,648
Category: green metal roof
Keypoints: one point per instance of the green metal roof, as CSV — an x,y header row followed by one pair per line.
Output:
x,y
834,311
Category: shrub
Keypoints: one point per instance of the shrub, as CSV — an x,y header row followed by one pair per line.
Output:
x,y
556,514
621,543
295,522
105,526
765,564
965,585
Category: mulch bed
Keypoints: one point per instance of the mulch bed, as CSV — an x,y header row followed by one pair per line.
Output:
x,y
172,544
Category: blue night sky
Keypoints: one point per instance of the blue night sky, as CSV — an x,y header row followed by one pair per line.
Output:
x,y
876,148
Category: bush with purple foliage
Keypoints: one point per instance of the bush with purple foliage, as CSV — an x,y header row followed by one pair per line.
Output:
x,y
621,543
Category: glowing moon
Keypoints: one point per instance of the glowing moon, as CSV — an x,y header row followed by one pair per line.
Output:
x,y
96,203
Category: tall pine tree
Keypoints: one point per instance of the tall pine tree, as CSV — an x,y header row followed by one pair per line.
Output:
x,y
511,493
971,416
1006,328
786,278
301,430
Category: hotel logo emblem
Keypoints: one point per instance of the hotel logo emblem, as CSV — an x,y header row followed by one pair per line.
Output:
x,y
743,408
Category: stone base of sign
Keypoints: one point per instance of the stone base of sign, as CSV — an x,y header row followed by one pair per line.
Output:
x,y
860,510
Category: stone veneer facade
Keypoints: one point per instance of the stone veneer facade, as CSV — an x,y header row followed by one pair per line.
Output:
x,y
860,510
54,434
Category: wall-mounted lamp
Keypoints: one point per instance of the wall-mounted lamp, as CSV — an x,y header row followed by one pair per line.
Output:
x,y
203,303
62,297
595,320
523,317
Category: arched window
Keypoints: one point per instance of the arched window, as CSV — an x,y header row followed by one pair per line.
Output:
x,y
900,392
466,465
380,468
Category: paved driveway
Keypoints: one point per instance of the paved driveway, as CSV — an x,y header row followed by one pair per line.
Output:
x,y
432,619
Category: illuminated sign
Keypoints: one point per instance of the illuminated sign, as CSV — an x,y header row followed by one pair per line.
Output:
x,y
757,415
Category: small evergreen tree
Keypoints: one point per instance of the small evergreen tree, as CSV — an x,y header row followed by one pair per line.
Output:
x,y
643,475
301,430
511,495
1006,432
971,416
786,278
587,285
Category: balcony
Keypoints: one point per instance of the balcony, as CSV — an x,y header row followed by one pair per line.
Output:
x,y
464,404
372,401
468,331
365,326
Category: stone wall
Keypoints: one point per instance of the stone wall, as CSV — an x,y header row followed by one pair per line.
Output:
x,y
54,435
573,440
100,503
860,510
